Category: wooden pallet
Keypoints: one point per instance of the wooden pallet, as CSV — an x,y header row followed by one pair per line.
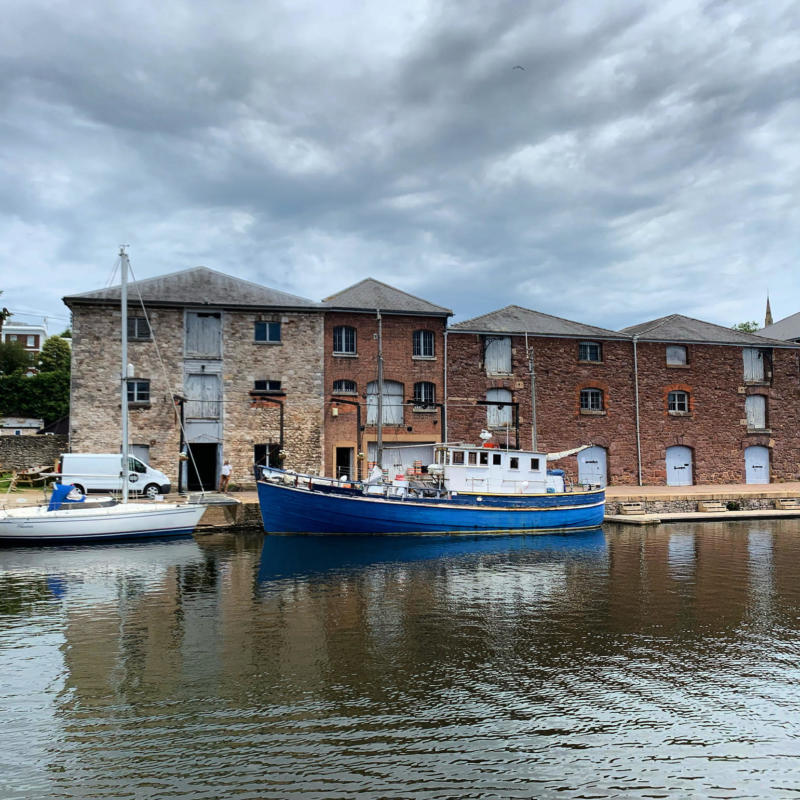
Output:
x,y
711,505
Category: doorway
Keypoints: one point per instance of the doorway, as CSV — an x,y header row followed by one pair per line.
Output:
x,y
344,462
679,466
592,466
202,467
267,455
756,464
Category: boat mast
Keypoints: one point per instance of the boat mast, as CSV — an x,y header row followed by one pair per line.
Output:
x,y
123,294
379,443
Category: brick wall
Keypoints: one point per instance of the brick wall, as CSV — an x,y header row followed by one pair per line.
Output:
x,y
399,365
21,452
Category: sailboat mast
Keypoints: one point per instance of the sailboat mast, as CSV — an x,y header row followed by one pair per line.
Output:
x,y
123,272
379,443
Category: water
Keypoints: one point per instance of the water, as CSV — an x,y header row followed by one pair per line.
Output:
x,y
657,662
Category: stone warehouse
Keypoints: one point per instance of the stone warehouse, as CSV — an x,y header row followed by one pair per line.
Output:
x,y
240,364
261,376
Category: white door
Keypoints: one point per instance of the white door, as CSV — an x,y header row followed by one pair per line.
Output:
x,y
592,466
756,464
679,466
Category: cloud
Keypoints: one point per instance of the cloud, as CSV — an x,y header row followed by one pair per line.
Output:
x,y
642,163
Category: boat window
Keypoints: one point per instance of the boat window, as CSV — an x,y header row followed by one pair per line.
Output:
x,y
473,457
458,456
440,457
484,459
496,459
513,463
535,464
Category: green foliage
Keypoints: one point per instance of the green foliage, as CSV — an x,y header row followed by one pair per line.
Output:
x,y
66,333
13,358
44,396
55,355
747,327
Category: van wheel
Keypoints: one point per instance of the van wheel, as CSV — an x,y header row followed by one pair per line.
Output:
x,y
152,490
78,488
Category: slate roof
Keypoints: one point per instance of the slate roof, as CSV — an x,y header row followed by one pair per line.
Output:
x,y
787,328
516,319
369,295
677,328
197,287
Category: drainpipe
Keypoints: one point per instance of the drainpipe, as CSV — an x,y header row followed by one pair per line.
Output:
x,y
444,405
532,372
636,402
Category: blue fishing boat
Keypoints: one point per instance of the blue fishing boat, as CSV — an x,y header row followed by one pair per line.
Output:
x,y
469,489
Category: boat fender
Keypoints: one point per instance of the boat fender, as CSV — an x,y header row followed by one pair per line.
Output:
x,y
489,444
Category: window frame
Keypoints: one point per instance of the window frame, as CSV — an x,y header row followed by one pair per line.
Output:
x,y
674,398
490,341
674,347
135,392
134,333
269,327
341,332
589,407
422,341
420,403
275,388
352,391
583,354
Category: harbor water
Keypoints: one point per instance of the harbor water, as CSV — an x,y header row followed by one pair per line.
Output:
x,y
647,662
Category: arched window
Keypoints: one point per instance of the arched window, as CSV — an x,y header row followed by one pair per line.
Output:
x,y
678,402
424,394
590,351
344,387
344,340
423,344
592,400
498,414
392,403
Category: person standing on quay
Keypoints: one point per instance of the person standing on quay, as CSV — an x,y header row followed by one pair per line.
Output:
x,y
225,477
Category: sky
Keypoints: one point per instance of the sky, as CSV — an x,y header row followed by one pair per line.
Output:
x,y
607,162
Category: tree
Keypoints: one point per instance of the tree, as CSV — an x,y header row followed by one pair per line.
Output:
x,y
747,327
13,358
66,334
55,355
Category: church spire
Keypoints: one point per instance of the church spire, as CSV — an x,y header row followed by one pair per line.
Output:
x,y
768,315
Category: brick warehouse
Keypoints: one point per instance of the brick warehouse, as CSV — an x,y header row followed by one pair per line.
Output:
x,y
413,348
242,364
714,405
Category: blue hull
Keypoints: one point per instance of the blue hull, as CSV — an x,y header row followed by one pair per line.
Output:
x,y
286,509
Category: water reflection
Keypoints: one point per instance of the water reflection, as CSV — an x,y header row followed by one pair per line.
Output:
x,y
627,662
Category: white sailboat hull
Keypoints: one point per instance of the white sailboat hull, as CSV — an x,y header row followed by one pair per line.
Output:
x,y
124,521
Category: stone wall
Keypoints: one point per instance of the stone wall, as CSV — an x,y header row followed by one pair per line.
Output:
x,y
21,452
399,364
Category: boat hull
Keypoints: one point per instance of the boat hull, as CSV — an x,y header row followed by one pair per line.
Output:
x,y
119,522
287,509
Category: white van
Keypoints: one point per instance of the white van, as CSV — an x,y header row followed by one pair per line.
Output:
x,y
102,472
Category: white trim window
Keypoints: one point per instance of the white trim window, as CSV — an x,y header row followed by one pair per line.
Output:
x,y
138,391
590,351
424,394
266,385
267,332
344,340
423,344
678,402
345,387
592,400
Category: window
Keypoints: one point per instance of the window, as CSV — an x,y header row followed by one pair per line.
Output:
x,y
513,462
473,457
484,458
755,362
534,464
267,331
423,344
31,341
755,406
496,459
589,351
458,456
11,337
267,386
497,355
424,394
678,402
498,413
138,328
204,334
392,403
138,391
344,340
591,400
344,387
676,355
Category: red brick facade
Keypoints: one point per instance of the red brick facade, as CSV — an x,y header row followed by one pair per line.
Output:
x,y
714,427
400,365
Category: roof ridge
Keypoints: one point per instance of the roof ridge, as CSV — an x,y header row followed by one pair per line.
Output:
x,y
540,313
386,286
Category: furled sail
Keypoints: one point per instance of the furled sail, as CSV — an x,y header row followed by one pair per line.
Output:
x,y
565,453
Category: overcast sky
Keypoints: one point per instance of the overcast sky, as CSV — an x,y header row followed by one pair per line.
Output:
x,y
606,162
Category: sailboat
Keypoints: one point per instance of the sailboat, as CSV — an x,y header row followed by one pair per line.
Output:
x,y
69,519
471,488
